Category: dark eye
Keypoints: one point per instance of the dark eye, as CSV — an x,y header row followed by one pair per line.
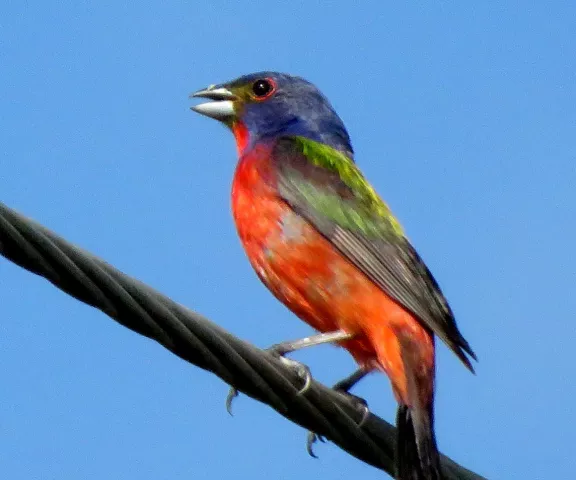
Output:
x,y
263,88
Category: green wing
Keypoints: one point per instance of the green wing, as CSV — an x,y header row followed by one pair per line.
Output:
x,y
326,188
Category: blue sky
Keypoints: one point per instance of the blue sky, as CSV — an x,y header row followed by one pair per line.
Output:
x,y
463,117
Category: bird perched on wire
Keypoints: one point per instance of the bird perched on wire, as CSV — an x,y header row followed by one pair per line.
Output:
x,y
329,248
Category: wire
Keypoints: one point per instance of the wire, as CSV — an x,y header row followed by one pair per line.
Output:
x,y
201,342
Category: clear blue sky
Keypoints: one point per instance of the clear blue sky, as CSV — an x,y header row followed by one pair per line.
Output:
x,y
462,114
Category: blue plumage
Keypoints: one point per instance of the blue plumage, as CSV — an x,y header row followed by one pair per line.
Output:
x,y
296,108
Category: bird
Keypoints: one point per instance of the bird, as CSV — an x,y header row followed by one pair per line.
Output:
x,y
329,248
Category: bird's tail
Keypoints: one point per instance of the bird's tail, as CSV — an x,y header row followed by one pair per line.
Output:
x,y
417,456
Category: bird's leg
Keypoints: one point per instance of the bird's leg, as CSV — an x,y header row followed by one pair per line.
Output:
x,y
283,348
346,384
343,386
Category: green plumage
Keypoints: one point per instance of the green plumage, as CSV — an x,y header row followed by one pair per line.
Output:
x,y
366,212
325,187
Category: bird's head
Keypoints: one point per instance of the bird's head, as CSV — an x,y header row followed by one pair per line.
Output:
x,y
263,106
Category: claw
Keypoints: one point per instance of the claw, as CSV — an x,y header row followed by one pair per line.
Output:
x,y
301,370
232,394
343,386
365,412
278,351
361,405
311,439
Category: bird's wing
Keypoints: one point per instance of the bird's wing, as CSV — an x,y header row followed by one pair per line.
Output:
x,y
326,188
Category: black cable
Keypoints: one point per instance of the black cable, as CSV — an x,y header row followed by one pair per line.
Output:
x,y
201,342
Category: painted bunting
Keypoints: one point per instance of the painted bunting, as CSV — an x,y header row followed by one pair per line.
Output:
x,y
328,247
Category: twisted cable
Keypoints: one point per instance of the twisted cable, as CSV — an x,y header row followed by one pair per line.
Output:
x,y
201,342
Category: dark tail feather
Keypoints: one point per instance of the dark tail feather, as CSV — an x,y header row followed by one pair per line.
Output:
x,y
417,456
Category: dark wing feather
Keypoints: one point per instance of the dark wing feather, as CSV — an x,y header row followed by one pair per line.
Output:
x,y
323,198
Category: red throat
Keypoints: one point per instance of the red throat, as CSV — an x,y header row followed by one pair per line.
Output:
x,y
241,135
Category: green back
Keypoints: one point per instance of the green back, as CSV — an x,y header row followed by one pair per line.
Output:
x,y
358,207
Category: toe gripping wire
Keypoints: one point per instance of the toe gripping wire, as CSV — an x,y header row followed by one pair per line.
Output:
x,y
197,340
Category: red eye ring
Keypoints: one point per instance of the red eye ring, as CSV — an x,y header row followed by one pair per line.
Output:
x,y
263,88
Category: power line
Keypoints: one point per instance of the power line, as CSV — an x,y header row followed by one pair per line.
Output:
x,y
201,342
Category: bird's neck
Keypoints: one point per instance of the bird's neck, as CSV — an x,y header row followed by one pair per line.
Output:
x,y
245,139
242,137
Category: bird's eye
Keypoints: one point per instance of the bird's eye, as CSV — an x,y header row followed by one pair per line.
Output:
x,y
263,88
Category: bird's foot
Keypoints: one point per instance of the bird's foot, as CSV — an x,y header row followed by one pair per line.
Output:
x,y
300,369
313,437
361,405
278,351
343,387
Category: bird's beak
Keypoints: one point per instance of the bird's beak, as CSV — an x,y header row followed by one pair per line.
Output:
x,y
222,106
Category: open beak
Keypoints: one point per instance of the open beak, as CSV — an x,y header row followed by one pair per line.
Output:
x,y
222,106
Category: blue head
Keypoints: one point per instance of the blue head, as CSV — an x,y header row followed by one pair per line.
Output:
x,y
271,104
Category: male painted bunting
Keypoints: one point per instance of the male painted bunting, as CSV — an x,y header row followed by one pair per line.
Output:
x,y
329,248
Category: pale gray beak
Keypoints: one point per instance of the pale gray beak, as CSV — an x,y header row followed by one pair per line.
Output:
x,y
222,107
